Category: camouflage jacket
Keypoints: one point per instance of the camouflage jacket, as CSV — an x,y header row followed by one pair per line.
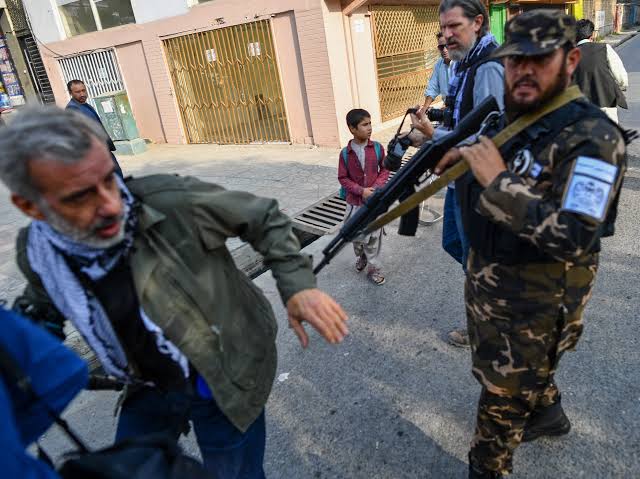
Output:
x,y
533,212
189,285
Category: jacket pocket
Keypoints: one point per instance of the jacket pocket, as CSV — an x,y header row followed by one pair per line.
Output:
x,y
248,335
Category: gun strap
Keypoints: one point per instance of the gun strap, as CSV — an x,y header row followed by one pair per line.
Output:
x,y
570,94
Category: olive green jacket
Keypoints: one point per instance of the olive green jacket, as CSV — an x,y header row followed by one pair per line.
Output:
x,y
189,285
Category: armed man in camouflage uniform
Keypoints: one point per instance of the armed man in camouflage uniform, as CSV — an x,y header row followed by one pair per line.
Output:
x,y
535,211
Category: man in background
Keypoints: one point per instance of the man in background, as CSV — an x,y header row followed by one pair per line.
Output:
x,y
601,74
79,97
439,81
475,75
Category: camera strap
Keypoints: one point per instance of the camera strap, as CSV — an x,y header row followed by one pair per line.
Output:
x,y
570,94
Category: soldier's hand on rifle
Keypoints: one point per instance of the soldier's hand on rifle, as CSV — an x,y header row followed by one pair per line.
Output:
x,y
484,159
450,158
321,312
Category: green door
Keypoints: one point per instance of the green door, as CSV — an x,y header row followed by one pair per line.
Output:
x,y
498,17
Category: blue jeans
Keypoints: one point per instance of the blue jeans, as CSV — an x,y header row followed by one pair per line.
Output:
x,y
226,452
454,241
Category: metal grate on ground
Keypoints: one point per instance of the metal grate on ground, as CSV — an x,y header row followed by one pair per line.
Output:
x,y
326,216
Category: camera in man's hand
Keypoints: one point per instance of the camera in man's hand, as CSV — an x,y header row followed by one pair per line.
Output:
x,y
395,152
441,115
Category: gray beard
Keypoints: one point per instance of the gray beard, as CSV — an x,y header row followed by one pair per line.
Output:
x,y
77,235
458,55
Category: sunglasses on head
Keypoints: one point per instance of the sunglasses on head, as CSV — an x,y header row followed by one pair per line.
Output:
x,y
441,47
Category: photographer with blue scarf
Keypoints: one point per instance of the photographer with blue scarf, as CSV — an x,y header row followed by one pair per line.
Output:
x,y
474,77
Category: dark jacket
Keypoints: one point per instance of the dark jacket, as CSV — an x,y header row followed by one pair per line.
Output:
x,y
88,110
57,375
188,284
595,79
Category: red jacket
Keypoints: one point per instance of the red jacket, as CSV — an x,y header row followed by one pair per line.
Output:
x,y
354,179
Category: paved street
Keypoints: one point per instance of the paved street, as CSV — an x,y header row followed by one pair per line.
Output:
x,y
395,401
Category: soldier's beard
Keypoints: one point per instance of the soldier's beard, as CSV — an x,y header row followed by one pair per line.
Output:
x,y
515,108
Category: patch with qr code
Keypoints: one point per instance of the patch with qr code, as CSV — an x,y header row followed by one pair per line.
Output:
x,y
589,188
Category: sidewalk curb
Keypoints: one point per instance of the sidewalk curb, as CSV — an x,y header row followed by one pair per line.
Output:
x,y
628,37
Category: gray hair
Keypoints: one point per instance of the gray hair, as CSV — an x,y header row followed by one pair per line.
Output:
x,y
43,133
470,9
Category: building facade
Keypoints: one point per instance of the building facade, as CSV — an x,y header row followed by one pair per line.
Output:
x,y
224,71
229,72
22,76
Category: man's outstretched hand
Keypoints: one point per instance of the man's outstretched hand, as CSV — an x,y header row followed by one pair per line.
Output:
x,y
321,312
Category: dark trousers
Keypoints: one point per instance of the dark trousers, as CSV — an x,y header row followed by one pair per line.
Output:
x,y
454,241
226,451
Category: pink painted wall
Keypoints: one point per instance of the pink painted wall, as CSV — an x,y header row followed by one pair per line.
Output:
x,y
304,66
137,81
292,74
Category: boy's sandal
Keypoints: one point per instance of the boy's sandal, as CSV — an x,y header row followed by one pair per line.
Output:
x,y
377,277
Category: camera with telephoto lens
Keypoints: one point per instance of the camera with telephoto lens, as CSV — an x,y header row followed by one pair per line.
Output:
x,y
441,115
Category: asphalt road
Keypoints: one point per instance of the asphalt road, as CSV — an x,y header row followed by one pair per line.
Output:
x,y
395,401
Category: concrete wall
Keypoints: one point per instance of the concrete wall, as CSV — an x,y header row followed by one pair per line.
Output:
x,y
317,74
151,10
304,66
19,63
47,26
364,64
294,86
326,60
334,23
45,20
139,87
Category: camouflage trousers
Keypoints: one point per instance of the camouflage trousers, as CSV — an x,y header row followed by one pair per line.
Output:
x,y
521,318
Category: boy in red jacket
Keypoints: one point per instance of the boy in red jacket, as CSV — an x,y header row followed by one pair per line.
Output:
x,y
361,172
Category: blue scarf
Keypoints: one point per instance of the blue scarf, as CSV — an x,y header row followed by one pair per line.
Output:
x,y
48,250
460,70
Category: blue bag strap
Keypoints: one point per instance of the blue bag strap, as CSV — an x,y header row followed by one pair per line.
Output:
x,y
378,147
345,157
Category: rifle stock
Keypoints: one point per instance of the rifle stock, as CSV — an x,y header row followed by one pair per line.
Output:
x,y
403,184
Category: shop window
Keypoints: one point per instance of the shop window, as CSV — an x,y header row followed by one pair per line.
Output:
x,y
82,16
77,16
113,13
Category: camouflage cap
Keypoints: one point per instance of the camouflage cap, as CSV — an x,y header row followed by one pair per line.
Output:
x,y
537,32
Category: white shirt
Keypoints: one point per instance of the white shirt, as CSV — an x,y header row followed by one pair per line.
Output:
x,y
615,65
359,149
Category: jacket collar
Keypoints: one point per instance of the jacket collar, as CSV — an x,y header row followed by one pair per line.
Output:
x,y
349,149
76,103
148,216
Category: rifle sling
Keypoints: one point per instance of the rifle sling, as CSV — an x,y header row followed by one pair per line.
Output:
x,y
570,94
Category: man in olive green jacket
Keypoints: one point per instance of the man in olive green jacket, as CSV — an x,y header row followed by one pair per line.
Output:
x,y
141,269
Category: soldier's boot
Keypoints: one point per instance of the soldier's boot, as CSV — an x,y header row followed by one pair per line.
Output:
x,y
549,421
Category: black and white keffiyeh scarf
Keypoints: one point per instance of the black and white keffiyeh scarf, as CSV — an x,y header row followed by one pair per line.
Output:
x,y
47,251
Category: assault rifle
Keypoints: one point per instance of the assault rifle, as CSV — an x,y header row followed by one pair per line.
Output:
x,y
404,183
